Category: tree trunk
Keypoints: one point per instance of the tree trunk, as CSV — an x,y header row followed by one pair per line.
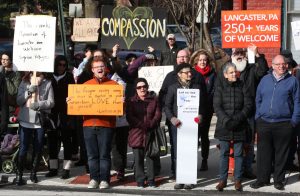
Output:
x,y
91,9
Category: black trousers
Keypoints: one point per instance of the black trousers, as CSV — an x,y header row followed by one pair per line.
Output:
x,y
80,137
203,135
273,145
55,137
139,155
119,148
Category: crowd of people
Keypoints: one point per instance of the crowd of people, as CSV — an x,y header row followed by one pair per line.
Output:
x,y
248,99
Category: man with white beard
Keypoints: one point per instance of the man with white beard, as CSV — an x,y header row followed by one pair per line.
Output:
x,y
250,74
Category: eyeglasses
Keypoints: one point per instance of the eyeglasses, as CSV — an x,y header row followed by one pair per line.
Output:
x,y
186,72
183,57
278,64
5,59
140,87
171,39
98,67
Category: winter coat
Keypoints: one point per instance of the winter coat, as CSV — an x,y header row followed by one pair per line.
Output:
x,y
171,109
168,56
143,116
232,99
278,101
45,99
3,104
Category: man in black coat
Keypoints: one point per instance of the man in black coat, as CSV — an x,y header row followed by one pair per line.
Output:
x,y
168,56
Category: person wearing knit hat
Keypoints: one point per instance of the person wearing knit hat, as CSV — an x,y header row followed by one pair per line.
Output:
x,y
184,81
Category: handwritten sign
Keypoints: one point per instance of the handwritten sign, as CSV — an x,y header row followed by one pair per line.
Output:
x,y
188,97
296,34
95,99
133,28
86,29
260,27
34,43
155,76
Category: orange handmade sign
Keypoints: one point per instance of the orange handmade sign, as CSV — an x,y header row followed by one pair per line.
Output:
x,y
95,99
259,27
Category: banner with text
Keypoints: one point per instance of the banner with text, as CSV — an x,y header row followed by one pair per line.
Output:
x,y
133,28
86,29
259,27
95,99
155,76
187,136
34,43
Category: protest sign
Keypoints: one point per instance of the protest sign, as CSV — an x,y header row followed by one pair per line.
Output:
x,y
95,99
133,28
259,27
86,29
155,76
296,34
187,136
34,43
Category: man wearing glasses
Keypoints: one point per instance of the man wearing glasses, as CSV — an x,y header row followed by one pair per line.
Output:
x,y
168,56
98,131
277,113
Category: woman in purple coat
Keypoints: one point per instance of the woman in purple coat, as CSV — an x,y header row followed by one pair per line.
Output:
x,y
143,115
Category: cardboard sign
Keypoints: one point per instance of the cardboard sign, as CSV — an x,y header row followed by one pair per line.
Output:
x,y
133,28
95,99
187,136
259,27
155,76
34,43
86,29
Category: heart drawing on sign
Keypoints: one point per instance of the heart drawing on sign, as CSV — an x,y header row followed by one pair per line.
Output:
x,y
138,13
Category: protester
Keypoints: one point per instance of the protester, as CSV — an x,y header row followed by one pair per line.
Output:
x,y
277,113
63,123
35,96
184,81
98,131
201,62
3,105
232,104
143,114
169,55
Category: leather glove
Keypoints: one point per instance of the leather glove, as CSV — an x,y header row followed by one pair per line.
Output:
x,y
175,121
149,56
232,125
32,88
34,106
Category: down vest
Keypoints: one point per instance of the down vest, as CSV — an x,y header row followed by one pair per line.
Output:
x,y
232,99
142,116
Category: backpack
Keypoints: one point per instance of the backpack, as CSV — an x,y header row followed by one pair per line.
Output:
x,y
9,143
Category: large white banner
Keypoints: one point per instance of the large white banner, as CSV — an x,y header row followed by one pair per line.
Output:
x,y
155,76
187,136
34,43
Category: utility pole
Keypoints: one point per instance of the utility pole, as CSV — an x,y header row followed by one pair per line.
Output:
x,y
62,26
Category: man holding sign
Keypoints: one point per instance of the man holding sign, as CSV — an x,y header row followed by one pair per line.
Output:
x,y
98,131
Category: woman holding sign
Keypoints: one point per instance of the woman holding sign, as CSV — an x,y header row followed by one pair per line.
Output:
x,y
232,104
35,95
143,115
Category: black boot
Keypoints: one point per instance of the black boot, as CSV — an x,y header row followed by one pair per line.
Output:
x,y
65,174
19,173
35,165
51,173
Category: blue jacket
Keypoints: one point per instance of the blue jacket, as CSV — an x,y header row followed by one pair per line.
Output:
x,y
278,101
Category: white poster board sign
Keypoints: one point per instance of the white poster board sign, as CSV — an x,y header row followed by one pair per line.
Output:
x,y
34,43
86,29
155,76
187,136
296,34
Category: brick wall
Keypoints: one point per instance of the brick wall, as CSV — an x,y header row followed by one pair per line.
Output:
x,y
261,5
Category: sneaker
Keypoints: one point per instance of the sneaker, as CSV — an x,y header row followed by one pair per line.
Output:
x,y
104,185
93,184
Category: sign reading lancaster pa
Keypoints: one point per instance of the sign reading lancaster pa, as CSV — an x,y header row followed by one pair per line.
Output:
x,y
86,29
87,99
34,43
259,27
133,28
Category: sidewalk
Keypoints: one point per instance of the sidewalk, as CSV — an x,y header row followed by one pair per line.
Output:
x,y
207,180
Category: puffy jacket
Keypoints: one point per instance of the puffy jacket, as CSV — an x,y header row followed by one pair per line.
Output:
x,y
142,116
232,99
168,56
278,101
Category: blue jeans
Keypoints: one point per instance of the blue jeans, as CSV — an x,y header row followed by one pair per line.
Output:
x,y
25,138
98,145
224,159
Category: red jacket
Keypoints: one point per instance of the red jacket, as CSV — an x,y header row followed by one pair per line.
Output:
x,y
100,121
